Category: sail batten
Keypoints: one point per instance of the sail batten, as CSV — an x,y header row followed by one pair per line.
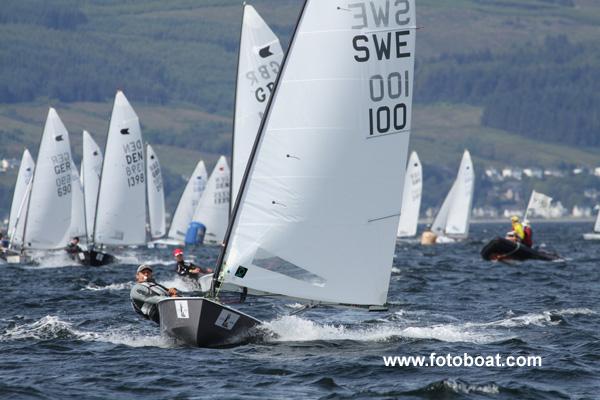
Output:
x,y
318,211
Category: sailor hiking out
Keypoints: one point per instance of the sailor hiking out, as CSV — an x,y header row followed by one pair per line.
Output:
x,y
146,293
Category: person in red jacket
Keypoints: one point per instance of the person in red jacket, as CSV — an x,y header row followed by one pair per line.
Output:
x,y
527,234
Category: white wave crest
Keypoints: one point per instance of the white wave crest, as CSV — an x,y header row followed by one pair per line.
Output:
x,y
52,327
466,388
112,287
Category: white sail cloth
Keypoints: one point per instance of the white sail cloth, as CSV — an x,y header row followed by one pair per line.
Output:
x,y
313,222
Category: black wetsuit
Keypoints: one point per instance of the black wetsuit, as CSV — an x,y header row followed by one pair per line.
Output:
x,y
185,269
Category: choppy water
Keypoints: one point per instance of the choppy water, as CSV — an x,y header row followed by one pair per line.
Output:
x,y
69,332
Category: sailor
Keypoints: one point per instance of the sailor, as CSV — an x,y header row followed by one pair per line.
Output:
x,y
146,293
428,237
527,234
73,247
187,268
3,243
517,228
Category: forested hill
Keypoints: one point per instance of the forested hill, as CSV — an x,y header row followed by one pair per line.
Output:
x,y
515,81
534,65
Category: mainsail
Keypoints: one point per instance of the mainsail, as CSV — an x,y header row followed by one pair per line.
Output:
x,y
16,221
258,65
411,198
121,206
156,195
91,168
213,207
310,220
48,215
188,202
78,227
455,214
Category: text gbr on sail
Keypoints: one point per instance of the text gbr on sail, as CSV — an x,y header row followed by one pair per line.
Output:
x,y
383,37
134,157
263,77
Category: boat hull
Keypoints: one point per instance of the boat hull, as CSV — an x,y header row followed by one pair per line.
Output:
x,y
94,258
202,322
591,236
504,249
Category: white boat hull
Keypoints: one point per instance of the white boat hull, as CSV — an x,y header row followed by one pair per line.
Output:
x,y
591,236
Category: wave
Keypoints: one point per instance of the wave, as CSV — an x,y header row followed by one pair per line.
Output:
x,y
451,386
52,327
297,329
112,287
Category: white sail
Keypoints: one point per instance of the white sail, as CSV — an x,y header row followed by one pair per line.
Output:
x,y
16,221
439,223
597,225
455,214
539,205
313,222
91,168
121,208
156,195
188,202
213,207
411,198
258,65
48,216
459,216
78,227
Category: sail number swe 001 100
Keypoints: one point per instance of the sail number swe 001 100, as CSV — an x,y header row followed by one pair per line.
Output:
x,y
134,159
384,36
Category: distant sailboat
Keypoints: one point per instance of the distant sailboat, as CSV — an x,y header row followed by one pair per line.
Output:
x,y
596,234
452,221
213,208
309,218
259,61
187,205
48,212
91,168
411,198
121,206
16,222
156,195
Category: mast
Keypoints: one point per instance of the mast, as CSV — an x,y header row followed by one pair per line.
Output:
x,y
252,157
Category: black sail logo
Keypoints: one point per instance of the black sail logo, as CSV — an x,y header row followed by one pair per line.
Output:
x,y
58,138
265,52
125,131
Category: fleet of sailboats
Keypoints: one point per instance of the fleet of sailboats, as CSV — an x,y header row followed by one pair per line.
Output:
x,y
297,216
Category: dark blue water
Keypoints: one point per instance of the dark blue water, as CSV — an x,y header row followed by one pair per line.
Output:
x,y
69,332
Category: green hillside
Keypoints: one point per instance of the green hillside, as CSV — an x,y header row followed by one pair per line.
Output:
x,y
515,81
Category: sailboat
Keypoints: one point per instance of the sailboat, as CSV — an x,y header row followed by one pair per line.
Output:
x,y
411,198
452,221
120,218
91,168
187,205
309,218
156,195
48,210
16,224
78,227
596,234
212,212
259,61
